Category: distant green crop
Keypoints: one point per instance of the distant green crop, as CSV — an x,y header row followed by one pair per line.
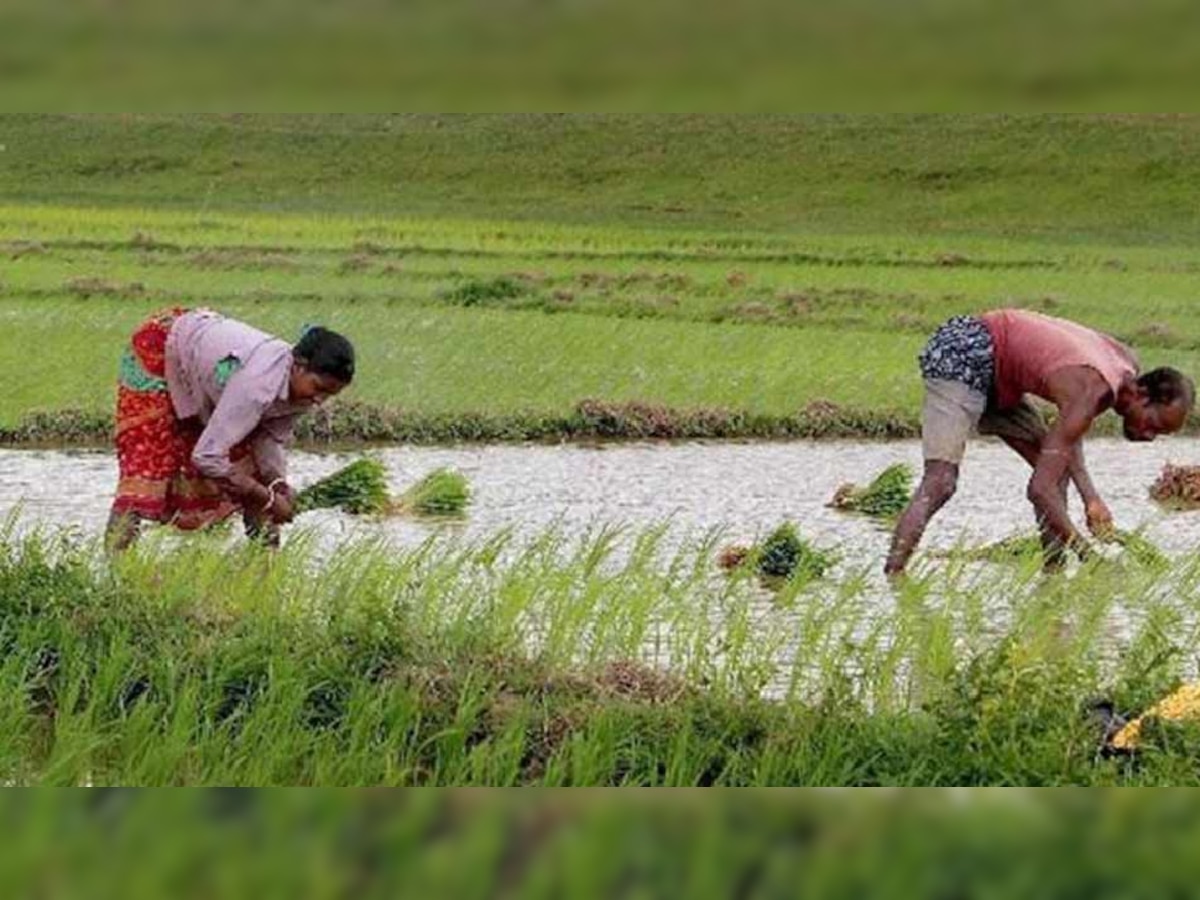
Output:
x,y
477,292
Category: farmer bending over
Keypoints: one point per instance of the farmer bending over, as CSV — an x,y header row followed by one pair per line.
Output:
x,y
977,371
205,407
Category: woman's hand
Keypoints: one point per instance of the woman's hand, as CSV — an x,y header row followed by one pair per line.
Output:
x,y
282,508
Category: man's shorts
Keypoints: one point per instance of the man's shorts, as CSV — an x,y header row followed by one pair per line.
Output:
x,y
958,365
952,411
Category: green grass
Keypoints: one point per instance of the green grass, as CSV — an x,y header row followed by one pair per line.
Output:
x,y
608,659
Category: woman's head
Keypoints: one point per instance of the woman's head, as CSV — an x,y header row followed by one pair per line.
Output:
x,y
323,364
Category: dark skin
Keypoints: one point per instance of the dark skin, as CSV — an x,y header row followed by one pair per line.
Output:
x,y
1080,394
262,513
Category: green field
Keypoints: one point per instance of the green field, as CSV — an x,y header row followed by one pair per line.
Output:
x,y
493,663
515,277
513,266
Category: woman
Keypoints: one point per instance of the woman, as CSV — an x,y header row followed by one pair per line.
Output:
x,y
205,408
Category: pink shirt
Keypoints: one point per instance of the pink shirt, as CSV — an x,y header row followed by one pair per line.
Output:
x,y
1029,347
235,380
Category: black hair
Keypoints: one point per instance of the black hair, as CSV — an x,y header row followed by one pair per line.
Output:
x,y
326,352
1166,386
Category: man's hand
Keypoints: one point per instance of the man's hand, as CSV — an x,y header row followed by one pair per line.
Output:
x,y
1099,518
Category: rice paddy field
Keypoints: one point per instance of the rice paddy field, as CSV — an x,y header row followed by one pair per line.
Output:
x,y
515,278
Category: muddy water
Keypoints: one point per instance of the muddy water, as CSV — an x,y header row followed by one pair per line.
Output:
x,y
743,488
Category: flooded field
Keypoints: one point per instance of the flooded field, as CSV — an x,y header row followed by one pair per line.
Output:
x,y
743,489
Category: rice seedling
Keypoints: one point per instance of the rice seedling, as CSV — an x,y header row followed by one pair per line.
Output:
x,y
1010,549
1139,549
477,293
361,488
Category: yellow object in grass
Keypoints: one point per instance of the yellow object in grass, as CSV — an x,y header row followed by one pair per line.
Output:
x,y
1182,705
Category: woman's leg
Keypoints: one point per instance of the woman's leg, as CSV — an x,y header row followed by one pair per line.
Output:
x,y
122,531
148,445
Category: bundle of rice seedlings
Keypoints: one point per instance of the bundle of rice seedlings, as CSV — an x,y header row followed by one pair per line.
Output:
x,y
1021,546
783,555
361,488
1140,550
1177,487
884,498
358,488
442,492
1005,550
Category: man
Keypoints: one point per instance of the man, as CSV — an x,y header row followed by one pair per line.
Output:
x,y
978,371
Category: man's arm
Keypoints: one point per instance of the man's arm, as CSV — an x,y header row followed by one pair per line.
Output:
x,y
1080,394
1099,518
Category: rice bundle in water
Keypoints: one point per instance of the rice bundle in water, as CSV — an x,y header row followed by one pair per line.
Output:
x,y
1021,546
1177,487
884,498
1009,549
1140,550
442,492
361,488
783,555
358,488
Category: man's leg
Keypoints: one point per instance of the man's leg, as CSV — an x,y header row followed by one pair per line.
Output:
x,y
936,488
949,414
1023,430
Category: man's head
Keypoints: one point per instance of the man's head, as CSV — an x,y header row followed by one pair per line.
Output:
x,y
322,364
1157,403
